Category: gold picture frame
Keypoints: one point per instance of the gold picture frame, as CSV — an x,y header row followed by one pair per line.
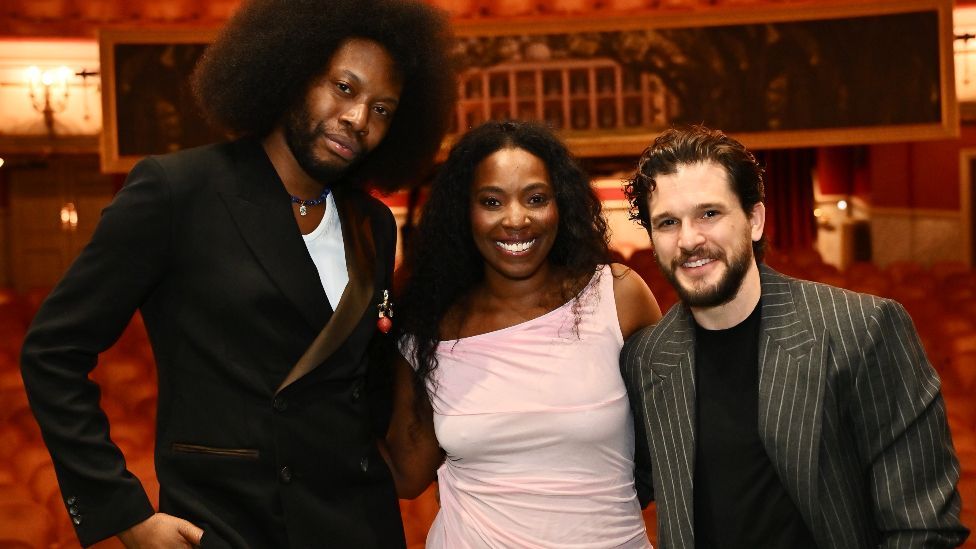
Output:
x,y
147,107
778,76
891,62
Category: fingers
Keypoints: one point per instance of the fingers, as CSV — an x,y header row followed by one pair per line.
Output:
x,y
162,530
190,532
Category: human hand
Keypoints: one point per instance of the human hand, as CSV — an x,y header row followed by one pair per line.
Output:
x,y
161,530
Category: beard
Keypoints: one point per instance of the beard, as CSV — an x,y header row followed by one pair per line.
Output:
x,y
300,136
722,291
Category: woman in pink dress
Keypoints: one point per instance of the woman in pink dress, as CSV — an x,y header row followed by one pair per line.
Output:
x,y
512,320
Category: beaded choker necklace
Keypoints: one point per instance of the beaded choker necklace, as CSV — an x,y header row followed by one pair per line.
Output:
x,y
304,204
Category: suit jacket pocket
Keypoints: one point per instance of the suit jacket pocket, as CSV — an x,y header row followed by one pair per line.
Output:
x,y
245,453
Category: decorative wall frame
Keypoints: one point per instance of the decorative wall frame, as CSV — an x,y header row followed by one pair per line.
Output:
x,y
792,75
147,106
779,76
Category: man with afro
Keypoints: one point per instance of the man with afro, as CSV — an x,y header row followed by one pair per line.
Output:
x,y
260,267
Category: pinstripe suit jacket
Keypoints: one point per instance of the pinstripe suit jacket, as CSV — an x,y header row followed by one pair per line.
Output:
x,y
850,413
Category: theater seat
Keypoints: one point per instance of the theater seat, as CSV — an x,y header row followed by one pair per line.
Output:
x,y
904,271
650,522
963,343
25,523
963,368
29,459
12,493
43,485
643,262
418,514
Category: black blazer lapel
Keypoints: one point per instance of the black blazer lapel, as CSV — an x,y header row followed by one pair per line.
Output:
x,y
791,390
258,203
357,238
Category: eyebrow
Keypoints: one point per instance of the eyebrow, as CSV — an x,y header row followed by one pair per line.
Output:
x,y
496,189
697,207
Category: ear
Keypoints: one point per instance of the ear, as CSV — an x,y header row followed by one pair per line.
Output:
x,y
757,221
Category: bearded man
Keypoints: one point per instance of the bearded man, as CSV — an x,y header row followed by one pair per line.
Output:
x,y
774,412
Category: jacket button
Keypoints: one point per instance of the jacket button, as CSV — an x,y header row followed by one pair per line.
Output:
x,y
280,404
72,500
76,521
73,511
355,392
364,464
284,475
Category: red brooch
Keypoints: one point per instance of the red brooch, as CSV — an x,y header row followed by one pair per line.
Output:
x,y
385,321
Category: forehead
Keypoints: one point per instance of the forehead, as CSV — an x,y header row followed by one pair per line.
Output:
x,y
366,59
691,184
510,165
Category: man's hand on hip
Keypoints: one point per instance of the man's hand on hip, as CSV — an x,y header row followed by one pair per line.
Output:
x,y
161,530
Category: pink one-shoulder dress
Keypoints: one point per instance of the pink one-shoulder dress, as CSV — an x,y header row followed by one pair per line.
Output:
x,y
537,428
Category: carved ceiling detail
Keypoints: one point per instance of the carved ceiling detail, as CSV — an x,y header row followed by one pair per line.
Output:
x,y
82,18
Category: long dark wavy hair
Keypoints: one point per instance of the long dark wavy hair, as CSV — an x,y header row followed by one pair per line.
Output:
x,y
443,265
271,51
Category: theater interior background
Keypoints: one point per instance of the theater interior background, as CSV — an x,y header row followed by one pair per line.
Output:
x,y
863,113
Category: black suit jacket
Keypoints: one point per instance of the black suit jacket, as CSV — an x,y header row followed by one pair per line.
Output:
x,y
266,426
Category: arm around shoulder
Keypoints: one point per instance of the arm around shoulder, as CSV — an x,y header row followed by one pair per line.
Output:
x,y
636,305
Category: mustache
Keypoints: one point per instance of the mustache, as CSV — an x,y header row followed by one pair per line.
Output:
x,y
701,251
349,140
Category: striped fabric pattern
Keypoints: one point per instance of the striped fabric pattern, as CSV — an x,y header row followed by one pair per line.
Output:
x,y
850,413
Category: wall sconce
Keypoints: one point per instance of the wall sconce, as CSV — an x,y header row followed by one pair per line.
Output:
x,y
48,91
69,217
823,220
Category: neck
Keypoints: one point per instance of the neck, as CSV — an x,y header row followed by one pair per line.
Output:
x,y
529,291
734,312
296,181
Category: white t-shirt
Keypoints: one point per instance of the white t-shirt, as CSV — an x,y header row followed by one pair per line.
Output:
x,y
328,253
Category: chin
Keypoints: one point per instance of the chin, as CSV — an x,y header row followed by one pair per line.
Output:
x,y
521,272
518,274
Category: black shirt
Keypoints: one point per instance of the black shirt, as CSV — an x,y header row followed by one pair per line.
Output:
x,y
739,500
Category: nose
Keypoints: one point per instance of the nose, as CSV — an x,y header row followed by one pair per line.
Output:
x,y
356,117
516,217
689,237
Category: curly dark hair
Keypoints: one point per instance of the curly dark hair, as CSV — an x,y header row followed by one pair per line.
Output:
x,y
443,265
271,51
692,145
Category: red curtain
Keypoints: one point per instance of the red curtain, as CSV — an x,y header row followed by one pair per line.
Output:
x,y
790,224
